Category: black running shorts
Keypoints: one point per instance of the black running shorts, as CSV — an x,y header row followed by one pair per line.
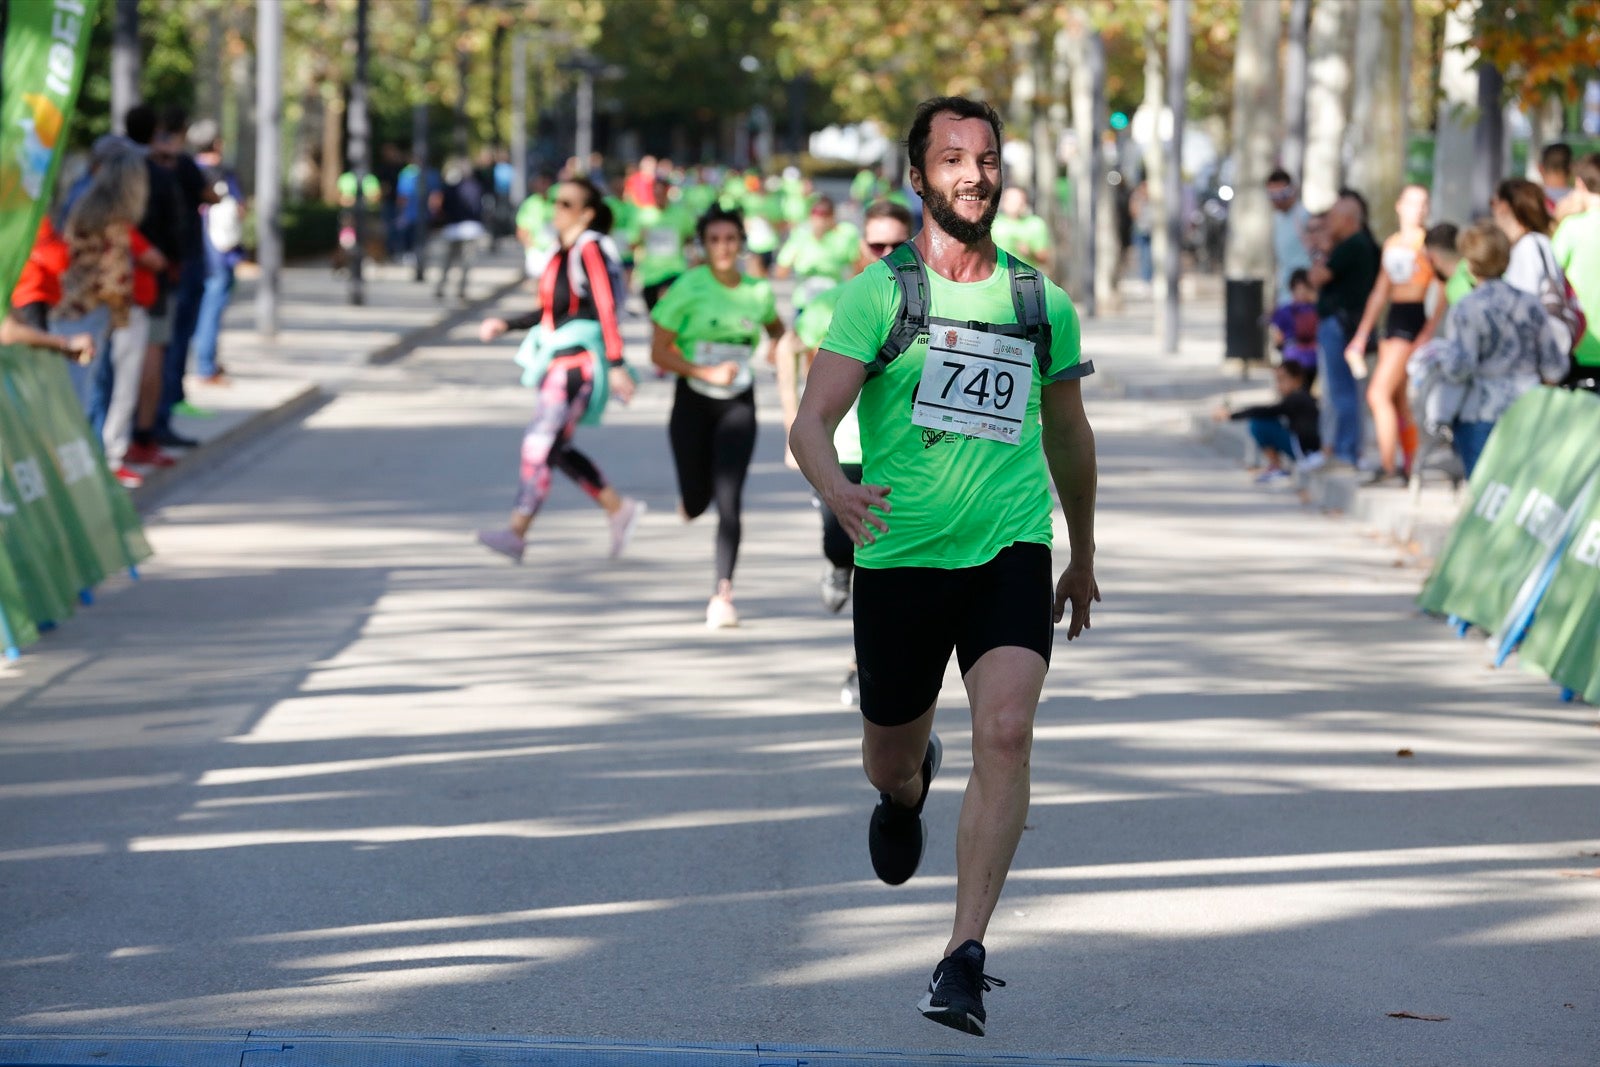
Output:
x,y
909,619
1405,321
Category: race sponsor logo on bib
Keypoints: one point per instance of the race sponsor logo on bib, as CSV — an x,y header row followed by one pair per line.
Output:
x,y
974,383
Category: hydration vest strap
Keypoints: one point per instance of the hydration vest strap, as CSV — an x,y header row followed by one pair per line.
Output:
x,y
911,277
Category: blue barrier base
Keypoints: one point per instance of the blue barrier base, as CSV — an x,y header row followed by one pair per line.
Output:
x,y
255,1048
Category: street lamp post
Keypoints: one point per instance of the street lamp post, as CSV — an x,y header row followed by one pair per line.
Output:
x,y
269,114
356,118
419,159
1177,89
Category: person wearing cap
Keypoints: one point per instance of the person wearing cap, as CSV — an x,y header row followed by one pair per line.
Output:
x,y
820,254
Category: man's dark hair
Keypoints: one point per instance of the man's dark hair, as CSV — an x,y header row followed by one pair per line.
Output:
x,y
718,213
888,209
1556,158
174,118
140,122
1297,371
960,106
1360,201
1442,238
1300,276
1279,177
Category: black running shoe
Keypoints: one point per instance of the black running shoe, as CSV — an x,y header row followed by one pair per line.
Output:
x,y
896,836
955,996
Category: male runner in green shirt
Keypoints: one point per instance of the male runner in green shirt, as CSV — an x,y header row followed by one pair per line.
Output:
x,y
1016,229
966,428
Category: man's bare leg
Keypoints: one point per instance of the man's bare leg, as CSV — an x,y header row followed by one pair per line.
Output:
x,y
892,757
1003,687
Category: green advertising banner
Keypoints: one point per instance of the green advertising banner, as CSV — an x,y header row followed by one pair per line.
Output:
x,y
1537,462
1564,640
46,44
65,523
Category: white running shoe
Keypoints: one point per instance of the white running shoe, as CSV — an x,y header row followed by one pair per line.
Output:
x,y
720,613
623,522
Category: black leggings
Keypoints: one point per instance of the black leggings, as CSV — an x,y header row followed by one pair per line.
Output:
x,y
712,442
836,544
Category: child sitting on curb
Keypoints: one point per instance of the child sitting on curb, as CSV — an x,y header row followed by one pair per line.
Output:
x,y
1286,432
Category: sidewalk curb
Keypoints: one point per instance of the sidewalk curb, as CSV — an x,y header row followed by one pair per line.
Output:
x,y
213,453
438,331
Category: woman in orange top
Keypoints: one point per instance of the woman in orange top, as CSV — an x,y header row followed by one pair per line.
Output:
x,y
1402,287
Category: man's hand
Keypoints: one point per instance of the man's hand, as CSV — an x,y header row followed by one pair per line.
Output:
x,y
489,329
857,508
621,384
1078,588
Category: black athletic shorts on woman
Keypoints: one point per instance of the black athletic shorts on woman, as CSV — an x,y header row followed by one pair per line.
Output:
x,y
909,619
1405,321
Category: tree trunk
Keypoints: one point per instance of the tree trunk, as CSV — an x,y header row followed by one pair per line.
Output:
x,y
1332,23
1356,149
1453,147
332,145
1293,156
1060,82
1546,122
241,132
1045,147
1255,141
1177,81
1024,87
208,71
1154,163
1088,179
126,61
1390,100
1489,138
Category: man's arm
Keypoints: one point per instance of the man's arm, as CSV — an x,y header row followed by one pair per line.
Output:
x,y
832,386
1069,450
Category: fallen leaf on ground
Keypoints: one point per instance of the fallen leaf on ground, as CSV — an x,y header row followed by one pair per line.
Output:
x,y
1421,1018
1405,753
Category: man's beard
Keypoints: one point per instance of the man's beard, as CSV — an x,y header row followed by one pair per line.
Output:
x,y
944,213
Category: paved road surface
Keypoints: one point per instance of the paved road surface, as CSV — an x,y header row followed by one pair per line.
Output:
x,y
332,766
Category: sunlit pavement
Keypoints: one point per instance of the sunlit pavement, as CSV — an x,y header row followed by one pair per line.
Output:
x,y
331,767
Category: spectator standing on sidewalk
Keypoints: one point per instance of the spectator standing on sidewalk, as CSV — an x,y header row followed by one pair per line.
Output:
x,y
1343,281
162,226
222,231
1577,249
1291,247
112,266
1401,290
171,150
1555,172
1520,211
36,294
1501,341
459,209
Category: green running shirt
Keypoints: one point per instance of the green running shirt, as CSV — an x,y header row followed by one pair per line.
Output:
x,y
811,326
957,500
716,324
662,234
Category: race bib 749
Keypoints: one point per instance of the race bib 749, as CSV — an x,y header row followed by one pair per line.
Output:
x,y
974,383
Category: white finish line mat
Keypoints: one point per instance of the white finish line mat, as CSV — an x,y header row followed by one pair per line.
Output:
x,y
255,1048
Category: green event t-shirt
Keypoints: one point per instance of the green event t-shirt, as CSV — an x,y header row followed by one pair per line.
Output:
x,y
957,500
811,326
662,233
827,257
1459,285
535,214
1577,249
1027,237
715,324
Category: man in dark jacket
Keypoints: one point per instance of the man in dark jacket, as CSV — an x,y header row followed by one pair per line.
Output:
x,y
1343,280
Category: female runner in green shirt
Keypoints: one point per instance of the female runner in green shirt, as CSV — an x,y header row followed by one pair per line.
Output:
x,y
707,328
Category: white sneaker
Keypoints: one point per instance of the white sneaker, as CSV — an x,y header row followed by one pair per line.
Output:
x,y
1314,462
623,523
720,613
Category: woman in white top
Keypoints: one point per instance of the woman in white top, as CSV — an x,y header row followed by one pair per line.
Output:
x,y
1522,215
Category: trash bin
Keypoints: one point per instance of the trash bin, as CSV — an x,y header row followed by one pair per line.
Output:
x,y
1244,320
